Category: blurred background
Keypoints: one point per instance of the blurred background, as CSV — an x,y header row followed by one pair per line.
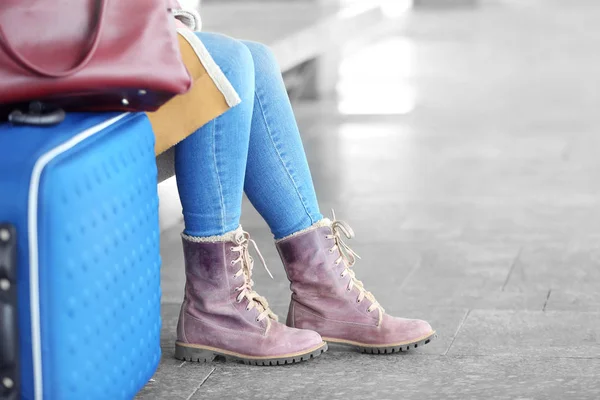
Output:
x,y
459,139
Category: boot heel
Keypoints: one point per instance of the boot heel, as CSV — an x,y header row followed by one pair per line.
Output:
x,y
185,353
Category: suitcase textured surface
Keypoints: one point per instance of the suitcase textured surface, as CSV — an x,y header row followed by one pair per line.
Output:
x,y
82,200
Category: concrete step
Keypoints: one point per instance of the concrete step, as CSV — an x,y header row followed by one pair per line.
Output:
x,y
296,31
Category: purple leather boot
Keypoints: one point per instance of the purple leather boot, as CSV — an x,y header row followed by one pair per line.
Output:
x,y
222,316
327,297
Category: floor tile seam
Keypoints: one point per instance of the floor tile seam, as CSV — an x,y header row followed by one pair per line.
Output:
x,y
547,298
527,310
518,356
460,325
412,271
201,383
512,268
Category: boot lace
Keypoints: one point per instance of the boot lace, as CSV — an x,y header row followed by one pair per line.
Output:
x,y
245,290
348,257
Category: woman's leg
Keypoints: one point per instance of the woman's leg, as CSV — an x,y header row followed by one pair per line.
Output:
x,y
211,163
278,180
221,314
326,297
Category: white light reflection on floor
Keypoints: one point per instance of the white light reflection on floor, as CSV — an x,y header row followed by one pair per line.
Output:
x,y
376,159
377,80
395,8
356,8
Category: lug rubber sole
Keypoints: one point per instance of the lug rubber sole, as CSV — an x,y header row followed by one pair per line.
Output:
x,y
199,353
386,349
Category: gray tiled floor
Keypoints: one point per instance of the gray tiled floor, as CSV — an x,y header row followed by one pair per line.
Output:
x,y
476,206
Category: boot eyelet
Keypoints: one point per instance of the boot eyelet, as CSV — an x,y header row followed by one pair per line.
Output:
x,y
330,251
369,310
348,289
232,262
231,248
257,320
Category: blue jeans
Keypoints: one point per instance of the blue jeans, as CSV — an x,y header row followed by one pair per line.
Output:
x,y
254,147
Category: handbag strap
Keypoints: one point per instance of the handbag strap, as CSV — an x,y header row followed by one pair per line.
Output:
x,y
29,66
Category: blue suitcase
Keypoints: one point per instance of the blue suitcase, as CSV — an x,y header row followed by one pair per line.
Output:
x,y
79,258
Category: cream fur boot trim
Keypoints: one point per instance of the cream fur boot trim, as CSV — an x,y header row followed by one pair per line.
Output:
x,y
227,237
316,225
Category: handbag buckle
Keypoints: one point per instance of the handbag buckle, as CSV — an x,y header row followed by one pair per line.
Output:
x,y
39,114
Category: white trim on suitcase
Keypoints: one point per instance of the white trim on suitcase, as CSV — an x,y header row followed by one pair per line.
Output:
x,y
34,288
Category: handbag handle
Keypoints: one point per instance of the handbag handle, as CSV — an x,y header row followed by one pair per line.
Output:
x,y
28,65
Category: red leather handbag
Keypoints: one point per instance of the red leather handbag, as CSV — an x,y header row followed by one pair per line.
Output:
x,y
89,54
